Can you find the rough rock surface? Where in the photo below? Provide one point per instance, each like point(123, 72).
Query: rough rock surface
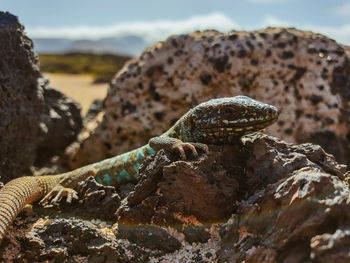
point(36, 121)
point(306, 75)
point(260, 200)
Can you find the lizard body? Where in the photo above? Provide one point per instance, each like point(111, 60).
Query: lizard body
point(218, 121)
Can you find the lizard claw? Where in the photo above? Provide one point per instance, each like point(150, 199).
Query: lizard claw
point(190, 146)
point(56, 195)
point(176, 145)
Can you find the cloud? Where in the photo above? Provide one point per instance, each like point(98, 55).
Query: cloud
point(151, 31)
point(161, 29)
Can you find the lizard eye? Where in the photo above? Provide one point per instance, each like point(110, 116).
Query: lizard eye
point(269, 111)
point(228, 111)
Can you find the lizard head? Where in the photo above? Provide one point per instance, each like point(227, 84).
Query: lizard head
point(226, 119)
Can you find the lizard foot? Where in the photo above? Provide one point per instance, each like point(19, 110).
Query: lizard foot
point(176, 145)
point(56, 194)
point(189, 146)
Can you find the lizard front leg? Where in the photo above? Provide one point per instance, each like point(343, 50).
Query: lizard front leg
point(176, 145)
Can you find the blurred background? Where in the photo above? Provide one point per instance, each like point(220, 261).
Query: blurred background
point(81, 44)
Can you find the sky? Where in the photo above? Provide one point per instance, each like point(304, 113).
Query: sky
point(157, 19)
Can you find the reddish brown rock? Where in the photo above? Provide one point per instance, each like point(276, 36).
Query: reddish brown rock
point(306, 75)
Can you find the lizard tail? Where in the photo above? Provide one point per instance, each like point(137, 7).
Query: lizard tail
point(14, 196)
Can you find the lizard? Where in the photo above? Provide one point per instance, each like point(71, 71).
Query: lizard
point(217, 121)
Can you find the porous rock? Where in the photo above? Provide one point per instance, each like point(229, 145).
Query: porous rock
point(305, 75)
point(260, 200)
point(36, 121)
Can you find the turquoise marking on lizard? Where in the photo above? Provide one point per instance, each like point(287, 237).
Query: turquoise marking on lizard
point(150, 151)
point(99, 180)
point(218, 121)
point(107, 178)
point(140, 155)
point(136, 166)
point(124, 175)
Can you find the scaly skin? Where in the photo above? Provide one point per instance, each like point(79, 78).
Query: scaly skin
point(218, 121)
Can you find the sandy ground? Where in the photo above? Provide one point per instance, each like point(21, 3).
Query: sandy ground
point(78, 87)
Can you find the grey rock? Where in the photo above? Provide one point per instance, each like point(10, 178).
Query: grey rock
point(36, 121)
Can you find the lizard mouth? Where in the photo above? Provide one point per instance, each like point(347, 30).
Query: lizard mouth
point(239, 124)
point(221, 131)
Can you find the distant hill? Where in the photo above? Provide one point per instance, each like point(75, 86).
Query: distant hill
point(101, 66)
point(130, 45)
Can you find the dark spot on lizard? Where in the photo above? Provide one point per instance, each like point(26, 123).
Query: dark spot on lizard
point(232, 53)
point(280, 123)
point(205, 78)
